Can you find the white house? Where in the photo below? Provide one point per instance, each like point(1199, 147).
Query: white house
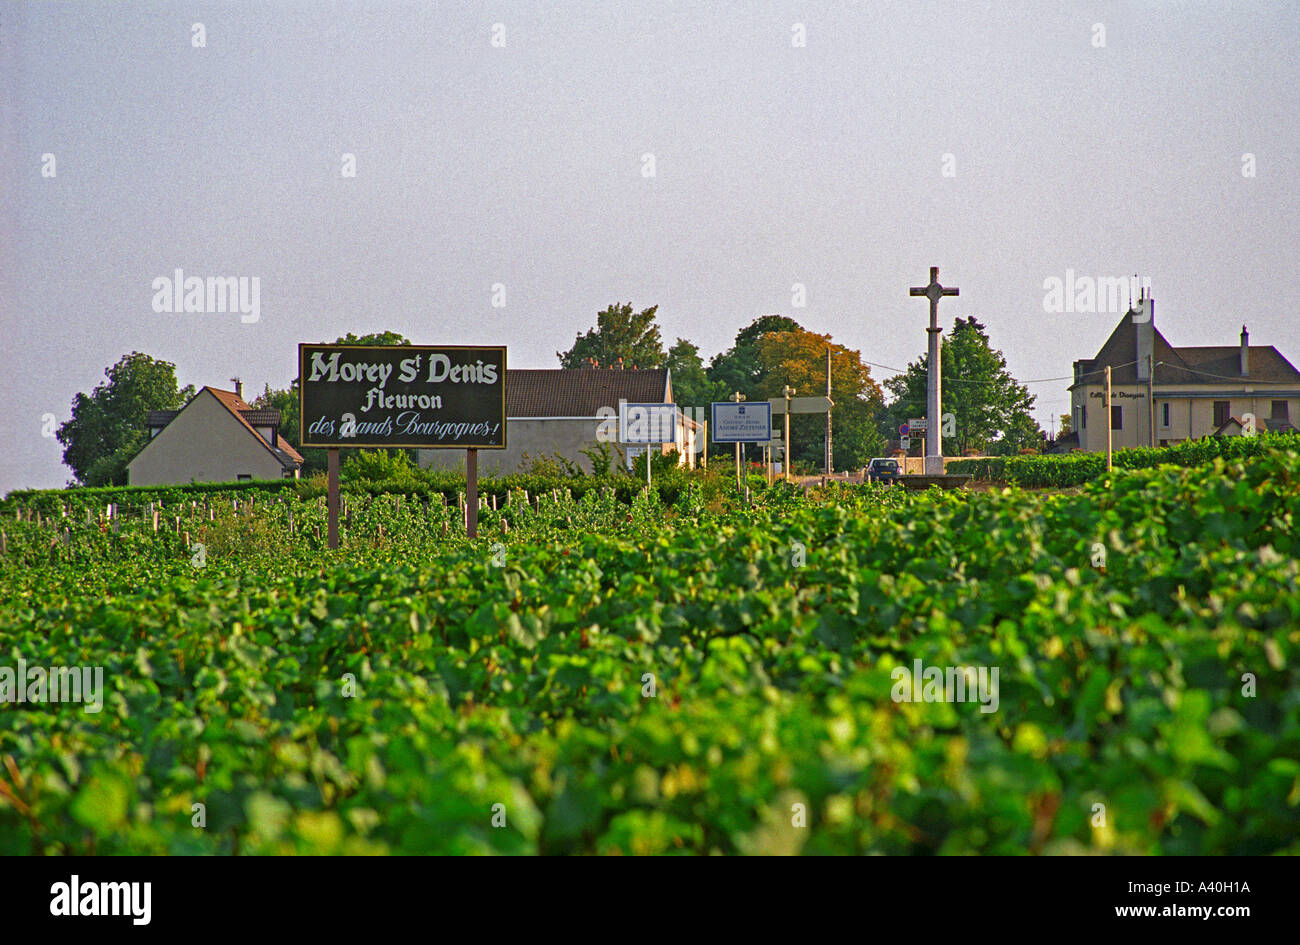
point(1198, 391)
point(216, 437)
point(559, 412)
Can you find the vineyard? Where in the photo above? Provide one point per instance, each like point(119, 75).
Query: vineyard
point(608, 671)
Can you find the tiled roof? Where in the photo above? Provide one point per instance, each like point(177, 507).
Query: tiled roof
point(241, 410)
point(261, 418)
point(246, 415)
point(1267, 366)
point(580, 392)
point(1185, 366)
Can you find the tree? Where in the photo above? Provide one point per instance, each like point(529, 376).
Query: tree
point(798, 357)
point(107, 426)
point(1021, 433)
point(739, 369)
point(986, 402)
point(285, 401)
point(691, 384)
point(619, 333)
point(374, 338)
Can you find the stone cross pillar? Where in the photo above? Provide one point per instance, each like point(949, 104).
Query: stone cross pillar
point(934, 387)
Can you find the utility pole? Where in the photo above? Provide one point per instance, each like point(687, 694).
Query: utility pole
point(737, 397)
point(1107, 412)
point(789, 392)
point(828, 410)
point(1151, 396)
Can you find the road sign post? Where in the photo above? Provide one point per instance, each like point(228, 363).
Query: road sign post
point(333, 498)
point(734, 421)
point(647, 424)
point(471, 493)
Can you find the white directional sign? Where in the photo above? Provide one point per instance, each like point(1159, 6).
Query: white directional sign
point(917, 424)
point(647, 423)
point(802, 404)
point(905, 443)
point(741, 423)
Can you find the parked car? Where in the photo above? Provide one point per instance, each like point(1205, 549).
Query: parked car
point(883, 470)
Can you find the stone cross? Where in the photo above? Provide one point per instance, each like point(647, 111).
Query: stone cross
point(934, 388)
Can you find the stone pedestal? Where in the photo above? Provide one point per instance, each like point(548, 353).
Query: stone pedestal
point(934, 465)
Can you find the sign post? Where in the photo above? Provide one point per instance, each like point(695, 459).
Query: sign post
point(333, 500)
point(471, 493)
point(402, 397)
point(648, 424)
point(737, 422)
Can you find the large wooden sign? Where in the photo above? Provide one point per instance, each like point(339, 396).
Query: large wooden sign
point(410, 396)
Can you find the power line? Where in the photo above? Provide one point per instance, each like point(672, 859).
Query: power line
point(1037, 380)
point(1226, 377)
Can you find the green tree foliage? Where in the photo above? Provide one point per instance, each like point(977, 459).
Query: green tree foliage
point(378, 466)
point(988, 405)
point(107, 427)
point(374, 338)
point(619, 333)
point(691, 384)
point(798, 357)
point(739, 368)
point(285, 401)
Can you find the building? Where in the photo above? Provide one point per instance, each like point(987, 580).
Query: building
point(1197, 391)
point(558, 412)
point(216, 437)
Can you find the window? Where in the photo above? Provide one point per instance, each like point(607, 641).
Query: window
point(1221, 412)
point(245, 477)
point(1279, 410)
point(1116, 417)
point(1083, 417)
point(1164, 416)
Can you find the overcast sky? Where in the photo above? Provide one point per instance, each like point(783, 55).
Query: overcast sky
point(1106, 138)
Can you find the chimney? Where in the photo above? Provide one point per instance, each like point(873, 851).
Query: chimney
point(239, 387)
point(1245, 352)
point(1144, 322)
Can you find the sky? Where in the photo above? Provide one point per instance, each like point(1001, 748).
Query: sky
point(501, 149)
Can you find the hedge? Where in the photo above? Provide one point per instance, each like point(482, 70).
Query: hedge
point(1073, 469)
